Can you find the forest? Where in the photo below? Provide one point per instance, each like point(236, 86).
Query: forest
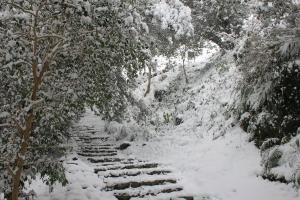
point(149, 99)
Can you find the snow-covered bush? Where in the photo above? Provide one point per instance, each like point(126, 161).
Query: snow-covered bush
point(174, 15)
point(219, 21)
point(269, 93)
point(282, 162)
point(126, 131)
point(270, 67)
point(113, 127)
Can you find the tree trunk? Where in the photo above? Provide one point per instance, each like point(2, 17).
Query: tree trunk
point(184, 71)
point(183, 64)
point(16, 185)
point(149, 81)
point(25, 133)
point(19, 163)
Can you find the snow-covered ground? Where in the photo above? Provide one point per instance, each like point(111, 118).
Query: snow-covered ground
point(208, 152)
point(83, 184)
point(226, 168)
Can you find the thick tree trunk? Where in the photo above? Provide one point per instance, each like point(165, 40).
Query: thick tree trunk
point(26, 133)
point(19, 163)
point(38, 75)
point(16, 185)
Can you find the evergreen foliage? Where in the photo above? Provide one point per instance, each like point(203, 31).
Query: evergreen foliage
point(270, 84)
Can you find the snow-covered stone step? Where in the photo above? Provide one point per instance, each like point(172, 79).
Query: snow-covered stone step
point(84, 127)
point(147, 191)
point(95, 148)
point(176, 195)
point(139, 183)
point(114, 164)
point(96, 155)
point(97, 145)
point(89, 131)
point(139, 178)
point(98, 151)
point(92, 137)
point(104, 160)
point(106, 164)
point(76, 127)
point(101, 139)
point(85, 130)
point(136, 172)
point(134, 166)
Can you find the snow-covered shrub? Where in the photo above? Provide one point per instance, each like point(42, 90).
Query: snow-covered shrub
point(271, 158)
point(178, 120)
point(126, 131)
point(269, 89)
point(117, 130)
point(269, 143)
point(282, 162)
point(159, 94)
point(219, 21)
point(167, 117)
point(174, 14)
point(113, 127)
point(268, 103)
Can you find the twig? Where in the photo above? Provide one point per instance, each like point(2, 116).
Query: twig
point(21, 8)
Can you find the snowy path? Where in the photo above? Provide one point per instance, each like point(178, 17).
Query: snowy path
point(126, 178)
point(97, 170)
point(195, 159)
point(195, 170)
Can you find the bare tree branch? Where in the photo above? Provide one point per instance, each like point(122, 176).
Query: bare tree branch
point(6, 125)
point(50, 36)
point(21, 8)
point(19, 127)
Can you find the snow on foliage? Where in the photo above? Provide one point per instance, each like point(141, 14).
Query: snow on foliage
point(174, 15)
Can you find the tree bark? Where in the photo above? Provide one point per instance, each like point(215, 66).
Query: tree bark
point(38, 76)
point(29, 119)
point(25, 134)
point(183, 64)
point(149, 81)
point(184, 71)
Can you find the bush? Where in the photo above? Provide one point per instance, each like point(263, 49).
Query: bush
point(269, 90)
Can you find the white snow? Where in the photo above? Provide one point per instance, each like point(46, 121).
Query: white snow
point(175, 14)
point(4, 115)
point(226, 168)
point(208, 153)
point(83, 184)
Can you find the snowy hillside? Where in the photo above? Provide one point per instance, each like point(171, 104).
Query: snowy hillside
point(209, 150)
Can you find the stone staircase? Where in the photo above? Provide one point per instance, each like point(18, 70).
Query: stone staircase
point(126, 178)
